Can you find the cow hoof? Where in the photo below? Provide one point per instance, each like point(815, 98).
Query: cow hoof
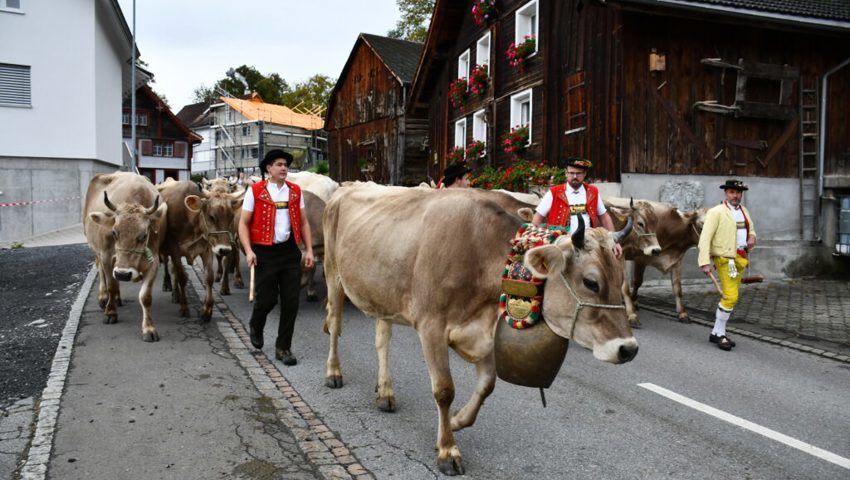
point(312, 297)
point(635, 323)
point(151, 336)
point(101, 304)
point(684, 318)
point(110, 319)
point(184, 312)
point(166, 288)
point(386, 404)
point(333, 381)
point(206, 316)
point(451, 466)
point(120, 302)
point(239, 284)
point(224, 291)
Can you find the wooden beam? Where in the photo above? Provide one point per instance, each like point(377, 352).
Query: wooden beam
point(671, 112)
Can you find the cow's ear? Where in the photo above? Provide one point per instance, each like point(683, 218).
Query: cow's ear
point(105, 219)
point(526, 214)
point(547, 260)
point(193, 203)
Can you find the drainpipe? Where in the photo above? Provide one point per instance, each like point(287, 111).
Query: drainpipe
point(822, 123)
point(133, 167)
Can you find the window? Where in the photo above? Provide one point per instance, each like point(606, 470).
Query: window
point(479, 126)
point(463, 65)
point(246, 130)
point(521, 110)
point(482, 50)
point(460, 133)
point(163, 149)
point(11, 6)
point(15, 85)
point(142, 119)
point(125, 118)
point(526, 24)
point(255, 152)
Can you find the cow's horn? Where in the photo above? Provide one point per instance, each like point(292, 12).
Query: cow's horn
point(578, 236)
point(106, 201)
point(154, 207)
point(621, 234)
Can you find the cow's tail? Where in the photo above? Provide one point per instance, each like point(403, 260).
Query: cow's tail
point(336, 294)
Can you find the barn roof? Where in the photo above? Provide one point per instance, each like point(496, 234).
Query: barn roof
point(193, 113)
point(254, 108)
point(400, 56)
point(818, 13)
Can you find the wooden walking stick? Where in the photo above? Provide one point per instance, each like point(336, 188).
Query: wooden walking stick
point(251, 288)
point(716, 283)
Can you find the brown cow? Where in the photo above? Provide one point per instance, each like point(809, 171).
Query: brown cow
point(125, 225)
point(677, 232)
point(198, 226)
point(432, 259)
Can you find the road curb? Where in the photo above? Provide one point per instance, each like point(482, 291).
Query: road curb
point(321, 446)
point(38, 455)
point(755, 336)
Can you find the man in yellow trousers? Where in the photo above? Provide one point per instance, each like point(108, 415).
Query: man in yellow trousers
point(727, 237)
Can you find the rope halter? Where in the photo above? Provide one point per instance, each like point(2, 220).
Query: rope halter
point(144, 251)
point(582, 304)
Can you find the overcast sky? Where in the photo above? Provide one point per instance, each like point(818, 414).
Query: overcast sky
point(187, 43)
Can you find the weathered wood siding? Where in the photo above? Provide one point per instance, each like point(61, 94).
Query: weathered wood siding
point(365, 119)
point(662, 132)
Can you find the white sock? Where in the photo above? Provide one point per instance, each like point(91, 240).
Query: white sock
point(720, 319)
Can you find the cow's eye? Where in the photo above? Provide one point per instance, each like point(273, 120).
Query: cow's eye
point(591, 285)
point(640, 224)
point(115, 234)
point(141, 238)
point(212, 218)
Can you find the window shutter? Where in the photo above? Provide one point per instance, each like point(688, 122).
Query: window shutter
point(575, 109)
point(179, 149)
point(146, 147)
point(15, 85)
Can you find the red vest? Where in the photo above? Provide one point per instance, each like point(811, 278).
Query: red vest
point(262, 221)
point(559, 214)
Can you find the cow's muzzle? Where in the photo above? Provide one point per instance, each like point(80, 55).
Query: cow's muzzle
point(627, 352)
point(122, 275)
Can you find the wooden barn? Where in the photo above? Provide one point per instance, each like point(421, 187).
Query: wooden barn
point(655, 92)
point(370, 137)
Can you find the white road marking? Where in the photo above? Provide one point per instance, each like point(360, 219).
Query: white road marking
point(753, 427)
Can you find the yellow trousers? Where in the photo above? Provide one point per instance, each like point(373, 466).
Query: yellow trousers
point(730, 285)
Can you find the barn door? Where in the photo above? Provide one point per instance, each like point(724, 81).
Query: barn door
point(575, 115)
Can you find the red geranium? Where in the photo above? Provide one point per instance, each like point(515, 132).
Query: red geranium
point(458, 90)
point(478, 79)
point(483, 12)
point(517, 53)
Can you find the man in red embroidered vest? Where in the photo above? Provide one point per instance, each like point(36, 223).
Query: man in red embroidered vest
point(562, 203)
point(271, 228)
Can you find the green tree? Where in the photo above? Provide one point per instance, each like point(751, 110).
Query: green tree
point(414, 21)
point(315, 92)
point(271, 87)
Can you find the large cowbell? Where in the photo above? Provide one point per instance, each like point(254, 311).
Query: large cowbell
point(530, 357)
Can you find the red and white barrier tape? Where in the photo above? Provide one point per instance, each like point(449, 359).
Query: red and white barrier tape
point(33, 202)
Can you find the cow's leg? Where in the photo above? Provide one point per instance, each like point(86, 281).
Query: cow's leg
point(166, 277)
point(102, 291)
point(237, 274)
point(333, 327)
point(473, 343)
point(113, 294)
point(676, 280)
point(309, 274)
point(436, 352)
point(630, 305)
point(637, 281)
point(149, 333)
point(384, 389)
point(206, 310)
point(222, 274)
point(180, 286)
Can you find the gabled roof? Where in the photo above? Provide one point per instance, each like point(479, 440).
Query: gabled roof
point(190, 135)
point(446, 22)
point(254, 108)
point(814, 13)
point(193, 113)
point(400, 56)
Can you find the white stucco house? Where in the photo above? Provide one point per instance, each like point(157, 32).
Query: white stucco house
point(64, 66)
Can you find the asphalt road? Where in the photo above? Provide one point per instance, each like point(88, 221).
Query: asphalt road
point(37, 287)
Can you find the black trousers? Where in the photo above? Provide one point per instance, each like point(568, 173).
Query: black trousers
point(277, 276)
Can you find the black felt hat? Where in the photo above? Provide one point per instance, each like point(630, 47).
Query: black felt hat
point(735, 185)
point(579, 162)
point(274, 155)
point(455, 170)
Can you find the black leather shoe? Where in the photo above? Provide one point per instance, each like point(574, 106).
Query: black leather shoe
point(715, 339)
point(723, 343)
point(286, 357)
point(256, 338)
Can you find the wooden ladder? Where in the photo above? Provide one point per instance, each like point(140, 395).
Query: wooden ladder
point(808, 162)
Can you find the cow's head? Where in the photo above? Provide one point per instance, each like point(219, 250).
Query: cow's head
point(642, 240)
point(216, 210)
point(132, 227)
point(583, 299)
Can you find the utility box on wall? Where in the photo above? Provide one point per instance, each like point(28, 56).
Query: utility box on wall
point(842, 246)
